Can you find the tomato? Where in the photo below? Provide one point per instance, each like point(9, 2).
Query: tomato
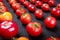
point(20, 11)
point(34, 29)
point(26, 3)
point(51, 2)
point(22, 38)
point(21, 1)
point(25, 18)
point(55, 12)
point(31, 7)
point(15, 6)
point(38, 14)
point(3, 9)
point(52, 38)
point(33, 1)
point(8, 29)
point(2, 4)
point(58, 5)
point(5, 16)
point(45, 7)
point(1, 0)
point(50, 22)
point(38, 3)
point(45, 0)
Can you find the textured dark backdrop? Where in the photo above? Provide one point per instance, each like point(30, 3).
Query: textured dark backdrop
point(45, 33)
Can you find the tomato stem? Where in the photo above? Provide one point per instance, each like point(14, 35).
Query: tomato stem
point(36, 25)
point(14, 38)
point(52, 37)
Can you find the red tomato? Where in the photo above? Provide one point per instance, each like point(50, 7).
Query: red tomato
point(52, 38)
point(2, 4)
point(1, 0)
point(31, 7)
point(20, 11)
point(51, 2)
point(38, 3)
point(58, 5)
point(26, 3)
point(15, 6)
point(33, 1)
point(45, 0)
point(21, 1)
point(45, 7)
point(8, 29)
point(25, 18)
point(34, 29)
point(3, 9)
point(50, 22)
point(38, 14)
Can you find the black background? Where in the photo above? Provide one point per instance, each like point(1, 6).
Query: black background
point(45, 33)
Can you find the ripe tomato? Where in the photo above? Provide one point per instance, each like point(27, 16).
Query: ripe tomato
point(1, 0)
point(5, 16)
point(45, 0)
point(22, 38)
point(2, 4)
point(31, 7)
point(3, 9)
point(34, 29)
point(26, 3)
point(58, 5)
point(45, 7)
point(50, 22)
point(51, 2)
point(15, 6)
point(20, 11)
point(8, 29)
point(38, 3)
point(38, 14)
point(33, 1)
point(52, 38)
point(25, 18)
point(21, 1)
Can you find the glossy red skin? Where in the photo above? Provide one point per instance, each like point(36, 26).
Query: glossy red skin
point(50, 38)
point(38, 14)
point(1, 0)
point(3, 9)
point(33, 1)
point(2, 4)
point(25, 18)
point(8, 29)
point(15, 6)
point(45, 0)
point(19, 12)
point(21, 1)
point(45, 7)
point(51, 2)
point(58, 5)
point(31, 7)
point(38, 3)
point(33, 30)
point(50, 22)
point(26, 3)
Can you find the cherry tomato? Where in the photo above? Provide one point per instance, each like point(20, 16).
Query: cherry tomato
point(38, 14)
point(22, 38)
point(5, 16)
point(33, 1)
point(58, 5)
point(50, 22)
point(20, 11)
point(2, 4)
point(1, 0)
point(25, 18)
point(8, 29)
point(21, 1)
point(45, 7)
point(31, 7)
point(34, 29)
point(26, 3)
point(45, 0)
point(51, 2)
point(15, 6)
point(3, 9)
point(38, 3)
point(52, 38)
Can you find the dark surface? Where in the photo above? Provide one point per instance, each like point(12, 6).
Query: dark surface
point(45, 33)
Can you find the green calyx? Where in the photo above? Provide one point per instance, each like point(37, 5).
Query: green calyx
point(36, 25)
point(52, 38)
